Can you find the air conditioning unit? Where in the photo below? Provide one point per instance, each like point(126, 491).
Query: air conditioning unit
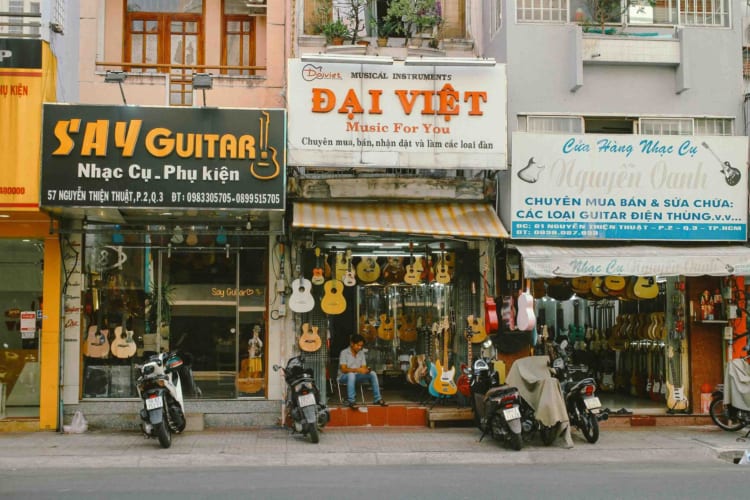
point(640, 13)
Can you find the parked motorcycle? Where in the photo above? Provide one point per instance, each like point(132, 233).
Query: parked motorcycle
point(495, 406)
point(584, 407)
point(159, 387)
point(305, 413)
point(730, 402)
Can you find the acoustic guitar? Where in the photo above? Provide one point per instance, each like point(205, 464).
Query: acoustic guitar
point(333, 301)
point(407, 328)
point(475, 325)
point(491, 322)
point(317, 272)
point(309, 341)
point(301, 299)
point(386, 329)
point(394, 272)
point(368, 269)
point(367, 329)
point(413, 272)
point(526, 319)
point(349, 277)
point(442, 273)
point(96, 344)
point(646, 287)
point(123, 345)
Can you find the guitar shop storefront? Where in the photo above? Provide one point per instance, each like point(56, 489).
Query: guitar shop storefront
point(409, 291)
point(170, 218)
point(650, 321)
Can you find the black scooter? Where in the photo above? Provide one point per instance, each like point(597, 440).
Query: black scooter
point(496, 407)
point(305, 413)
point(584, 407)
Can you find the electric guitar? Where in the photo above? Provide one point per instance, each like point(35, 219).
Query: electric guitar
point(731, 174)
point(442, 384)
point(463, 383)
point(301, 299)
point(475, 325)
point(676, 399)
point(309, 341)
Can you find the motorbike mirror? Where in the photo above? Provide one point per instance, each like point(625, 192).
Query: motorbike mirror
point(276, 368)
point(746, 348)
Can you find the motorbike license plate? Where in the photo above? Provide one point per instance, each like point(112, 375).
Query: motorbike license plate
point(512, 413)
point(592, 403)
point(154, 403)
point(306, 400)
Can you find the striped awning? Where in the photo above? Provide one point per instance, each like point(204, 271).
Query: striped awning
point(438, 219)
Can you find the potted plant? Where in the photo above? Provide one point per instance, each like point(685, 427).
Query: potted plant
point(414, 16)
point(353, 13)
point(335, 32)
point(603, 12)
point(383, 28)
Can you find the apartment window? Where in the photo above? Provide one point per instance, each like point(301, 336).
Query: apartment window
point(16, 22)
point(166, 32)
point(240, 31)
point(704, 12)
point(497, 14)
point(542, 10)
point(625, 125)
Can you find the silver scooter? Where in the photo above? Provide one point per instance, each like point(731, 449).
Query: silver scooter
point(160, 389)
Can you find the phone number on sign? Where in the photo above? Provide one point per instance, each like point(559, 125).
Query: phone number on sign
point(238, 198)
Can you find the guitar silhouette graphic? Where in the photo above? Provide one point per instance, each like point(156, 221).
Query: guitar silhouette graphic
point(530, 173)
point(267, 153)
point(731, 174)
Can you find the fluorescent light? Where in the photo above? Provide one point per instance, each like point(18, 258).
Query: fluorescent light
point(448, 61)
point(368, 244)
point(346, 59)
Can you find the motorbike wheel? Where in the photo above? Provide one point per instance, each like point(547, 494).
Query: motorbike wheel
point(549, 433)
point(516, 441)
point(164, 434)
point(590, 427)
point(721, 417)
point(314, 434)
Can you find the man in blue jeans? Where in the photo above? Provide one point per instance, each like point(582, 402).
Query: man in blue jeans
point(353, 369)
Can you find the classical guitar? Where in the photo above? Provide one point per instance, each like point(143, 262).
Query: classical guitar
point(615, 285)
point(428, 274)
point(123, 346)
point(442, 383)
point(368, 269)
point(309, 341)
point(407, 328)
point(731, 175)
point(442, 273)
point(413, 272)
point(333, 301)
point(349, 278)
point(597, 288)
point(301, 299)
point(317, 272)
point(475, 324)
point(386, 328)
point(581, 285)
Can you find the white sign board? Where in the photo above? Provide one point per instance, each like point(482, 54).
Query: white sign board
point(629, 187)
point(366, 115)
point(28, 324)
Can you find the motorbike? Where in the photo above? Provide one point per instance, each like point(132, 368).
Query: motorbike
point(495, 406)
point(160, 388)
point(730, 401)
point(584, 407)
point(305, 413)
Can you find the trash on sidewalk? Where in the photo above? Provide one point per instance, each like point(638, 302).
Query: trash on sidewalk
point(744, 459)
point(78, 425)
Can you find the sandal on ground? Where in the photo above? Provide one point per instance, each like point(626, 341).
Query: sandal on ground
point(381, 402)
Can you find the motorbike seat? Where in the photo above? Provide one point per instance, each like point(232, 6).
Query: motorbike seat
point(499, 391)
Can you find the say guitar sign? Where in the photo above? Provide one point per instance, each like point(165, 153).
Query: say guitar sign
point(367, 115)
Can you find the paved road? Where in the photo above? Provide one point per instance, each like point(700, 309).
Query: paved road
point(375, 446)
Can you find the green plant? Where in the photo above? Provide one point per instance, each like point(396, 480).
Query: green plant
point(353, 12)
point(411, 16)
point(335, 29)
point(608, 11)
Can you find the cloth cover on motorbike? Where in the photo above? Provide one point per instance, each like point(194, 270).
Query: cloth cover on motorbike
point(532, 377)
point(737, 384)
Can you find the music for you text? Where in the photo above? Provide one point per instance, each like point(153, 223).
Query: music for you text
point(629, 187)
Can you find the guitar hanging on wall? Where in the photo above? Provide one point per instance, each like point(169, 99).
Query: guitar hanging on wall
point(475, 324)
point(301, 299)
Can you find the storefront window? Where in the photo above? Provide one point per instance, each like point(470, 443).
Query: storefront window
point(202, 299)
point(21, 299)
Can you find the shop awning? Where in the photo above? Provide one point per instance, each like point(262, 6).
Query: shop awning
point(549, 261)
point(449, 219)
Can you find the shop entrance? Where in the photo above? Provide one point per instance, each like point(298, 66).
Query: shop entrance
point(211, 309)
point(21, 263)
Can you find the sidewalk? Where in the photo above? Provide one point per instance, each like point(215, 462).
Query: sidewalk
point(359, 445)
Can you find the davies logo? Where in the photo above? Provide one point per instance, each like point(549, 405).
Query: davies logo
point(311, 73)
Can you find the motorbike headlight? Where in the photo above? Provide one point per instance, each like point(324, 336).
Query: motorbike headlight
point(148, 369)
